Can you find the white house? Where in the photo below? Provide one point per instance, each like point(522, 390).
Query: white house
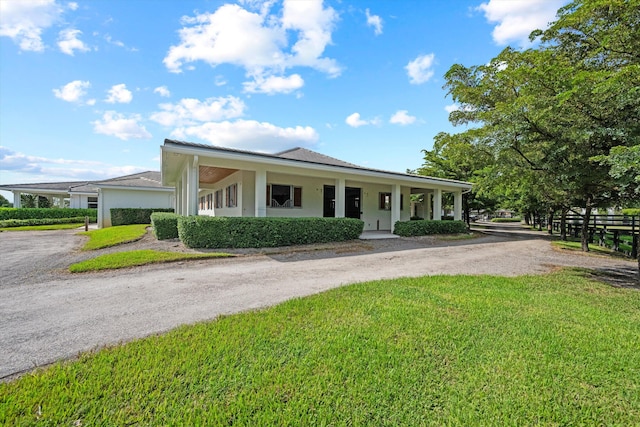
point(217, 181)
point(140, 190)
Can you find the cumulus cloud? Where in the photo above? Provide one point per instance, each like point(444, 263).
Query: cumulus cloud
point(119, 94)
point(259, 41)
point(274, 84)
point(355, 121)
point(68, 41)
point(451, 108)
point(517, 19)
point(420, 69)
point(162, 91)
point(402, 117)
point(73, 91)
point(24, 21)
point(374, 21)
point(121, 126)
point(43, 168)
point(190, 111)
point(249, 135)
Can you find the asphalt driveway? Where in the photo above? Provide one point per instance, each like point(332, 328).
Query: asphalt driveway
point(47, 314)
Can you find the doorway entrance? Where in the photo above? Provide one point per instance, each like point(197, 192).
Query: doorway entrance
point(352, 199)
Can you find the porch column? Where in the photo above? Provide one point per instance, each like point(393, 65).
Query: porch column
point(427, 205)
point(340, 197)
point(16, 199)
point(177, 200)
point(193, 182)
point(437, 204)
point(395, 205)
point(185, 194)
point(261, 193)
point(457, 205)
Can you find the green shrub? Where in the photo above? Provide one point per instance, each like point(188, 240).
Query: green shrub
point(127, 216)
point(631, 211)
point(165, 225)
point(244, 232)
point(516, 219)
point(39, 213)
point(43, 221)
point(424, 227)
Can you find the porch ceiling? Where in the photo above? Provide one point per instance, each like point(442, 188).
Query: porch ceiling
point(211, 175)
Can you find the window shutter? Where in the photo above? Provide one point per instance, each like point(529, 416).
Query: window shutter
point(297, 197)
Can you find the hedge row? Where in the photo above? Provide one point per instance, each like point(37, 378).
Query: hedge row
point(38, 213)
point(631, 211)
point(506, 220)
point(43, 221)
point(165, 225)
point(248, 232)
point(424, 227)
point(126, 216)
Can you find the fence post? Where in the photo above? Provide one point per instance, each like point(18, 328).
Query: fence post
point(634, 239)
point(86, 223)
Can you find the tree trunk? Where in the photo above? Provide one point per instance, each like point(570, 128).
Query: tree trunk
point(527, 218)
point(563, 224)
point(585, 226)
point(550, 221)
point(539, 218)
point(465, 208)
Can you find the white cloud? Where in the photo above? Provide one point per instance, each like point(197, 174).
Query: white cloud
point(274, 84)
point(72, 91)
point(162, 91)
point(120, 94)
point(250, 135)
point(51, 169)
point(354, 120)
point(402, 117)
point(120, 126)
point(191, 111)
point(68, 41)
point(25, 20)
point(374, 21)
point(420, 69)
point(258, 42)
point(451, 108)
point(72, 5)
point(516, 19)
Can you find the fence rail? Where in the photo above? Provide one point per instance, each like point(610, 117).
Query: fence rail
point(618, 232)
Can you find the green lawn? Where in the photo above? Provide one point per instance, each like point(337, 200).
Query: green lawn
point(134, 258)
point(112, 236)
point(43, 227)
point(555, 349)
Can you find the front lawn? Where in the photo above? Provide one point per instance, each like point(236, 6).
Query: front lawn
point(112, 236)
point(135, 258)
point(555, 349)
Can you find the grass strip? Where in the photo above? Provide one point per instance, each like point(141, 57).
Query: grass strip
point(577, 246)
point(136, 258)
point(43, 227)
point(112, 236)
point(554, 349)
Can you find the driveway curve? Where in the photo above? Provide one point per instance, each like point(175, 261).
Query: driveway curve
point(43, 321)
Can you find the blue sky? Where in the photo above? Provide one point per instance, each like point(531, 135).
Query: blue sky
point(90, 89)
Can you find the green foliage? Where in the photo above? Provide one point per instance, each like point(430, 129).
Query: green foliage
point(165, 225)
point(43, 221)
point(549, 350)
point(631, 211)
point(112, 236)
point(425, 227)
point(4, 203)
point(506, 220)
point(33, 213)
point(126, 216)
point(45, 227)
point(245, 232)
point(135, 258)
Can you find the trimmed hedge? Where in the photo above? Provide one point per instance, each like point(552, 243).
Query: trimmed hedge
point(127, 216)
point(43, 221)
point(631, 211)
point(165, 225)
point(249, 232)
point(38, 213)
point(506, 219)
point(424, 227)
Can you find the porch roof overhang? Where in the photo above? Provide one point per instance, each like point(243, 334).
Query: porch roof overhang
point(175, 154)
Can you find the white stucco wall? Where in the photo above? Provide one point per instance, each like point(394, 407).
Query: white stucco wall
point(78, 201)
point(130, 198)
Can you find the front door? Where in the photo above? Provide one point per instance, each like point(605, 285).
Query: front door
point(352, 202)
point(329, 201)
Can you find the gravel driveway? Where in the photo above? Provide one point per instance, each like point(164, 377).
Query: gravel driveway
point(47, 314)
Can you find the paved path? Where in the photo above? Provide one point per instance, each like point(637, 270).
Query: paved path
point(49, 320)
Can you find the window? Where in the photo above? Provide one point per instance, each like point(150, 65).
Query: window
point(284, 196)
point(209, 201)
point(232, 195)
point(218, 201)
point(201, 205)
point(92, 202)
point(385, 201)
